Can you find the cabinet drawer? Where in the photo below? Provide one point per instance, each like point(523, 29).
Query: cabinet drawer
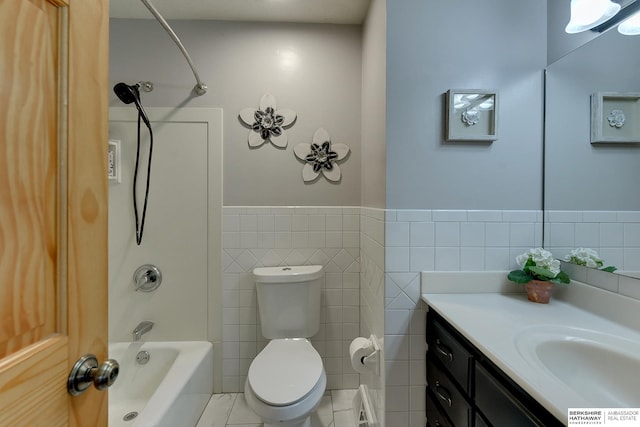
point(453, 355)
point(447, 395)
point(497, 404)
point(435, 417)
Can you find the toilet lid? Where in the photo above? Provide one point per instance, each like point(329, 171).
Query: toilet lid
point(285, 371)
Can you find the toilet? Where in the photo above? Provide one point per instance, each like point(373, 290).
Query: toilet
point(287, 380)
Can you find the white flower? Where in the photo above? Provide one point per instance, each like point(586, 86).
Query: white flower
point(470, 116)
point(542, 258)
point(616, 118)
point(522, 259)
point(267, 122)
point(584, 256)
point(554, 267)
point(321, 156)
point(538, 264)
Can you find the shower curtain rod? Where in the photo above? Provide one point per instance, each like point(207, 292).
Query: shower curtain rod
point(200, 88)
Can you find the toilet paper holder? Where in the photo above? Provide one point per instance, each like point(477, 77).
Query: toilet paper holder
point(372, 360)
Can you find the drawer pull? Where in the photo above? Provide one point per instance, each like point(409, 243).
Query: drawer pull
point(444, 350)
point(443, 394)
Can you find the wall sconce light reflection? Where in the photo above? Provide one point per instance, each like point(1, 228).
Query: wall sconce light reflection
point(288, 59)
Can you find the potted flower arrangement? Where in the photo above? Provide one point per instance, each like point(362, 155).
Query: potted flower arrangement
point(539, 271)
point(588, 258)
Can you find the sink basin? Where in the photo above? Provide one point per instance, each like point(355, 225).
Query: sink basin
point(603, 369)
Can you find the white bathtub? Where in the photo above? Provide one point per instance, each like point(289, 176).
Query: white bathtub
point(172, 389)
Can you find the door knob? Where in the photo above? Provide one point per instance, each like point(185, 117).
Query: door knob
point(87, 371)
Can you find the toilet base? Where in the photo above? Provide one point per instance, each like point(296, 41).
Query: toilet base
point(296, 415)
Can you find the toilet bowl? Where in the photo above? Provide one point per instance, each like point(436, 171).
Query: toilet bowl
point(286, 380)
point(286, 383)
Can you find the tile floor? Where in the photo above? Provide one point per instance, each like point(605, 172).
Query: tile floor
point(231, 410)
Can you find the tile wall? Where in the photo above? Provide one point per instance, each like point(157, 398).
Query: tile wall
point(273, 236)
point(436, 240)
point(372, 295)
point(627, 284)
point(373, 259)
point(615, 235)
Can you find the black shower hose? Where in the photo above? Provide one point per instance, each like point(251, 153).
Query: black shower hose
point(140, 222)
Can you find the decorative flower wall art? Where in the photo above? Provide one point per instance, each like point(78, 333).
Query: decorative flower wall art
point(267, 123)
point(470, 116)
point(616, 118)
point(321, 156)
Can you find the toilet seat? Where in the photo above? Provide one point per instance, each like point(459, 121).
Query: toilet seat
point(285, 372)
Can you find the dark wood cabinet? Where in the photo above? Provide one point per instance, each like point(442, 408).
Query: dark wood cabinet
point(464, 388)
point(436, 417)
point(452, 400)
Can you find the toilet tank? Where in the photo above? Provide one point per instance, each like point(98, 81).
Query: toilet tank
point(289, 300)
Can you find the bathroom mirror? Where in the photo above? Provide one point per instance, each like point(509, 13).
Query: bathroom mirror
point(592, 190)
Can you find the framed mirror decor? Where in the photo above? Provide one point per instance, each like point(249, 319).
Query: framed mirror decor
point(471, 115)
point(615, 117)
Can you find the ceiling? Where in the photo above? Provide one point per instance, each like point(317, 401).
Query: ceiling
point(307, 11)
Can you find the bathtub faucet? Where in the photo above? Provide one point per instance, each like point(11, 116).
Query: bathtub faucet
point(142, 328)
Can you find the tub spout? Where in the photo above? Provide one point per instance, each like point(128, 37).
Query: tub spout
point(142, 328)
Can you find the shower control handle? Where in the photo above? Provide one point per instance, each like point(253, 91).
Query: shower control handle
point(147, 278)
point(86, 371)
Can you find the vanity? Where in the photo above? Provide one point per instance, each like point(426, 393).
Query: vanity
point(496, 359)
point(464, 386)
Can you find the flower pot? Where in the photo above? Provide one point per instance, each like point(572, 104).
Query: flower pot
point(539, 291)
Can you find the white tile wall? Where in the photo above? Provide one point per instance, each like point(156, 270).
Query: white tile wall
point(373, 259)
point(626, 283)
point(372, 294)
point(272, 236)
point(438, 240)
point(615, 235)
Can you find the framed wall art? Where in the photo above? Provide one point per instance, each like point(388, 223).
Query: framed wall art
point(113, 161)
point(615, 117)
point(471, 115)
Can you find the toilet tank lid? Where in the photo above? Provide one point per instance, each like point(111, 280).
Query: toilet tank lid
point(287, 274)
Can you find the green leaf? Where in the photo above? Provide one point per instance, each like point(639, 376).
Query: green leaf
point(542, 272)
point(609, 269)
point(519, 276)
point(562, 277)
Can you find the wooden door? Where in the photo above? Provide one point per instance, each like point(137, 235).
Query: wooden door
point(53, 207)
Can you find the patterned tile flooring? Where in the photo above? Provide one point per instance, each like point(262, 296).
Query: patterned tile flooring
point(231, 410)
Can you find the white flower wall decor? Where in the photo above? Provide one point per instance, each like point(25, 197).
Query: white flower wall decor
point(470, 116)
point(267, 123)
point(616, 118)
point(321, 156)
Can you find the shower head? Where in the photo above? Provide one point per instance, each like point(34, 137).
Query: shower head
point(131, 94)
point(127, 93)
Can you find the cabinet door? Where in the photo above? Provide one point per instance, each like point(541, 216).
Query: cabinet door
point(497, 404)
point(480, 422)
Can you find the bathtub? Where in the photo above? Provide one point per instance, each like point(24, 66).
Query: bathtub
point(171, 389)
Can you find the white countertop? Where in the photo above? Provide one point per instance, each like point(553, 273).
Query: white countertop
point(496, 322)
